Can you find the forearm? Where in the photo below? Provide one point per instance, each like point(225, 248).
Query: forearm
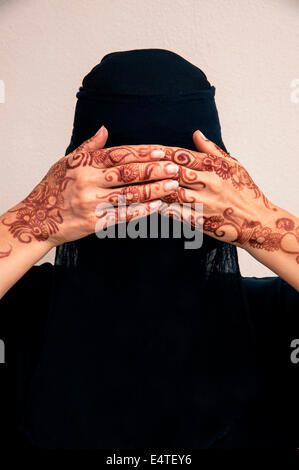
point(275, 243)
point(17, 257)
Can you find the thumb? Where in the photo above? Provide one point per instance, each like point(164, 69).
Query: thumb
point(207, 146)
point(96, 142)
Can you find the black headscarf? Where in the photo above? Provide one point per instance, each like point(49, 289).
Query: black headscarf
point(148, 344)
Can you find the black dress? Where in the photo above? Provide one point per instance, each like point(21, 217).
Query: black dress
point(83, 380)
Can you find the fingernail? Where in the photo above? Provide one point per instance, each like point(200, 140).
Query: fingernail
point(101, 130)
point(158, 154)
point(202, 135)
point(171, 185)
point(172, 169)
point(155, 204)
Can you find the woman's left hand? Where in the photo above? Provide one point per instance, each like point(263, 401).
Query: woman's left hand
point(232, 207)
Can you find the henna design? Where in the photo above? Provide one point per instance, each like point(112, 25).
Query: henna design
point(223, 153)
point(190, 177)
point(5, 254)
point(226, 167)
point(112, 216)
point(132, 194)
point(267, 204)
point(181, 213)
point(286, 224)
point(130, 172)
point(179, 195)
point(253, 232)
point(183, 157)
point(106, 157)
point(40, 213)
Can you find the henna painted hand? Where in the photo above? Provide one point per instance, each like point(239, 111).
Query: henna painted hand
point(234, 209)
point(62, 207)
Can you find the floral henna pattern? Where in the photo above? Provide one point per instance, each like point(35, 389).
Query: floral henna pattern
point(39, 215)
point(226, 167)
point(130, 172)
point(254, 233)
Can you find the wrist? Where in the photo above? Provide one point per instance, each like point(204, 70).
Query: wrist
point(261, 229)
point(274, 242)
point(20, 235)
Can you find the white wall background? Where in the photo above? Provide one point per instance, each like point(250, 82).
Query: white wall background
point(248, 49)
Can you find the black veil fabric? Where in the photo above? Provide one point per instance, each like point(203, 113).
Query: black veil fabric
point(148, 344)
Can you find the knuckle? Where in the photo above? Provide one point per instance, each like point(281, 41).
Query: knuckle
point(130, 172)
point(132, 194)
point(147, 191)
point(83, 180)
point(217, 184)
point(148, 171)
point(82, 199)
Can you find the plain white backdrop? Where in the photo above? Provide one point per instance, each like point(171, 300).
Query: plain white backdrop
point(247, 48)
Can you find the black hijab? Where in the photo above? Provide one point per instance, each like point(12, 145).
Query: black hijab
point(147, 344)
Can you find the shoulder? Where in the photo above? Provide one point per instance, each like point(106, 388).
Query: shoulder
point(274, 307)
point(270, 290)
point(36, 283)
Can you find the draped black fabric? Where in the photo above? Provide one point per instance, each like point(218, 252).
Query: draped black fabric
point(148, 344)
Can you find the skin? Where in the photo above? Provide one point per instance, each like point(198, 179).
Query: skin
point(143, 179)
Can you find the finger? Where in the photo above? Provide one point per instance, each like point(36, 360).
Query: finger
point(215, 170)
point(182, 196)
point(183, 213)
point(96, 142)
point(139, 193)
point(185, 157)
point(137, 172)
point(194, 179)
point(207, 146)
point(113, 156)
point(111, 216)
point(199, 161)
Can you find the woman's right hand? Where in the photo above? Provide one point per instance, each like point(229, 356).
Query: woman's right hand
point(63, 205)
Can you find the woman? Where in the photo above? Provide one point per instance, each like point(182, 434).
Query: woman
point(139, 342)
